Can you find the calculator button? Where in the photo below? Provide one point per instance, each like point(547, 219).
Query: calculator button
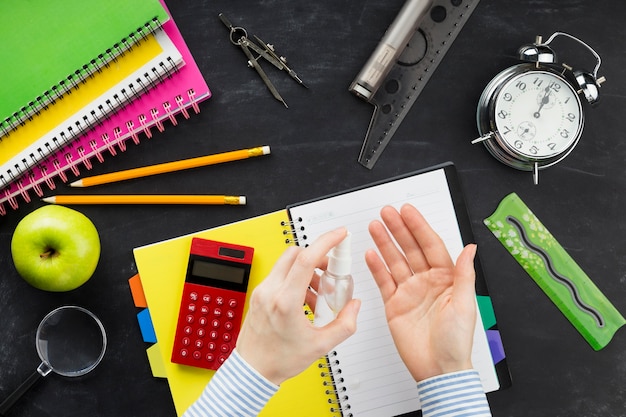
point(198, 344)
point(191, 307)
point(202, 321)
point(193, 296)
point(188, 330)
point(189, 319)
point(201, 332)
point(213, 334)
point(210, 357)
point(225, 348)
point(217, 312)
point(226, 337)
point(211, 346)
point(228, 325)
point(219, 301)
point(230, 314)
point(215, 323)
point(222, 359)
point(184, 353)
point(197, 355)
point(232, 303)
point(186, 341)
point(206, 298)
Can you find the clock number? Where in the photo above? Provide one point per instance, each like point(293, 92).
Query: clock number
point(521, 85)
point(534, 150)
point(565, 133)
point(518, 144)
point(571, 116)
point(502, 114)
point(551, 145)
point(508, 97)
point(555, 86)
point(506, 130)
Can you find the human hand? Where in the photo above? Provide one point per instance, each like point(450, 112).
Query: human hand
point(429, 302)
point(276, 338)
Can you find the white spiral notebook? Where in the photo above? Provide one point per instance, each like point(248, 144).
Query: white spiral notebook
point(368, 375)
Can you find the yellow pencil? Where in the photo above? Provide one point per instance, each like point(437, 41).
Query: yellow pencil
point(146, 199)
point(172, 166)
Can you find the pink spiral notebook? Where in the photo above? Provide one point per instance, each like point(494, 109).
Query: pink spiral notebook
point(181, 92)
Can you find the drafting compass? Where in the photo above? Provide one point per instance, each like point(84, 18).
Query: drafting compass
point(530, 116)
point(239, 37)
point(403, 62)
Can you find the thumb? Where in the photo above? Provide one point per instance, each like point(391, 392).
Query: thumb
point(464, 274)
point(343, 326)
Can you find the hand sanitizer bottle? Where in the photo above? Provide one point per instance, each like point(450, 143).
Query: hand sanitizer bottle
point(336, 283)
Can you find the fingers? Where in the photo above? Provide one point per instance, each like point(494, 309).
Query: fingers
point(394, 258)
point(342, 327)
point(311, 294)
point(405, 237)
point(430, 244)
point(299, 276)
point(386, 284)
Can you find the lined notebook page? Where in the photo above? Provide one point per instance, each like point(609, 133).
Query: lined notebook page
point(377, 382)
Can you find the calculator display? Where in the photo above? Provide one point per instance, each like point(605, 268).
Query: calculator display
point(228, 273)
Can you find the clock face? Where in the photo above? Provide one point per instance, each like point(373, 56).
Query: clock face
point(537, 114)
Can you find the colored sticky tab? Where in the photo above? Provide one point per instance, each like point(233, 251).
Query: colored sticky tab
point(145, 324)
point(136, 290)
point(486, 311)
point(554, 270)
point(156, 361)
point(495, 345)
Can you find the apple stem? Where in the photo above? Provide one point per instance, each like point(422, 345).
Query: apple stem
point(49, 253)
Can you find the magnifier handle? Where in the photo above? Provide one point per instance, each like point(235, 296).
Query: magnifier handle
point(35, 377)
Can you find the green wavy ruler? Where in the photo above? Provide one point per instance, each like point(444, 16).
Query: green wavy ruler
point(554, 270)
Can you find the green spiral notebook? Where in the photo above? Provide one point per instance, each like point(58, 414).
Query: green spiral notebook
point(49, 46)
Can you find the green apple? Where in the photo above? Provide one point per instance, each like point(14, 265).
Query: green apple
point(55, 248)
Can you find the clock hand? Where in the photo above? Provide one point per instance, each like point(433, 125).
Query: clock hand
point(544, 101)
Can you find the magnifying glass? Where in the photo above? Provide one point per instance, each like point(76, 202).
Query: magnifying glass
point(70, 341)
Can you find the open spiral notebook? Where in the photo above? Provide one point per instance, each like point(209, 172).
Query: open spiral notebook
point(364, 376)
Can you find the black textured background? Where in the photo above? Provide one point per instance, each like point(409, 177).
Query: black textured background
point(315, 144)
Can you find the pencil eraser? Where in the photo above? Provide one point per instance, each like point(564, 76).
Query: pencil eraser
point(242, 200)
point(266, 150)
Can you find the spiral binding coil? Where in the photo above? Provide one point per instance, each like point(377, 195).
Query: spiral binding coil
point(56, 92)
point(334, 383)
point(52, 166)
point(290, 230)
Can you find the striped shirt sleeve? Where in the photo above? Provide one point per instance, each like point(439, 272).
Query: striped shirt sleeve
point(236, 389)
point(457, 394)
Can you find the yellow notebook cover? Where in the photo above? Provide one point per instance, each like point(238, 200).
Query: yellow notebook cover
point(162, 267)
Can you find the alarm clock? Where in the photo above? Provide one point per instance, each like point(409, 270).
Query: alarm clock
point(530, 116)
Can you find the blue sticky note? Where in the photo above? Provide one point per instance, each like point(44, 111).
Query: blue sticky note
point(146, 327)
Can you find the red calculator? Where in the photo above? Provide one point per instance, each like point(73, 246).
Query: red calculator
point(211, 307)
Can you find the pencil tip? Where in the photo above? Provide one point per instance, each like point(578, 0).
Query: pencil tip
point(78, 183)
point(48, 200)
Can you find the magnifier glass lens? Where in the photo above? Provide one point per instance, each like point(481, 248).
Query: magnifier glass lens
point(71, 340)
